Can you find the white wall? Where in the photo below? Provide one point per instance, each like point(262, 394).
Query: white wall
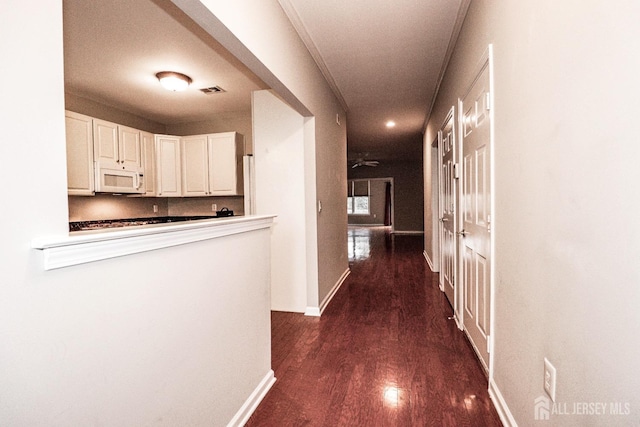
point(280, 190)
point(233, 121)
point(261, 36)
point(566, 229)
point(152, 338)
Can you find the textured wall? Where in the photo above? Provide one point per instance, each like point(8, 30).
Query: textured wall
point(565, 219)
point(177, 336)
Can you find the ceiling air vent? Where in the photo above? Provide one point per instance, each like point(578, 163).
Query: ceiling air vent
point(212, 89)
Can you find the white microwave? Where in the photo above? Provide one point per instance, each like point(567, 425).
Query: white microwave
point(109, 180)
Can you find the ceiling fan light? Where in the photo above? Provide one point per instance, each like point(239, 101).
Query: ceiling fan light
point(173, 81)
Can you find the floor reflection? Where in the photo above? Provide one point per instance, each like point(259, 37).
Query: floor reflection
point(360, 241)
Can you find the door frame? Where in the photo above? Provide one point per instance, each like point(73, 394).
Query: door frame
point(435, 205)
point(456, 304)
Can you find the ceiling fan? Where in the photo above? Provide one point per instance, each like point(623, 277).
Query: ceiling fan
point(363, 162)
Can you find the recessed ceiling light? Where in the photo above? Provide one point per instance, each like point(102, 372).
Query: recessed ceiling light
point(391, 124)
point(173, 81)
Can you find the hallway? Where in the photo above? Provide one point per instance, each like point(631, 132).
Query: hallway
point(382, 354)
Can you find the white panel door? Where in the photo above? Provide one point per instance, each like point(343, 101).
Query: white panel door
point(475, 211)
point(448, 209)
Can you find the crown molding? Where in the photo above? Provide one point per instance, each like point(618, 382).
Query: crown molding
point(298, 25)
point(457, 27)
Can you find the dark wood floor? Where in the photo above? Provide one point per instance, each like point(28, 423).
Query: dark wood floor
point(382, 354)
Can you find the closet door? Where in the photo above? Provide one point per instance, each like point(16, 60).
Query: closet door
point(448, 216)
point(475, 210)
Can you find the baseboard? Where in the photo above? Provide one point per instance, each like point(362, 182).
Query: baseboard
point(312, 311)
point(416, 232)
point(251, 404)
point(501, 406)
point(317, 311)
point(429, 262)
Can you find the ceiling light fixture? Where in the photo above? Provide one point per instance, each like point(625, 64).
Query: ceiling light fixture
point(173, 81)
point(391, 124)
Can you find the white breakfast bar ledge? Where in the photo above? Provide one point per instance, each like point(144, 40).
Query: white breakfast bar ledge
point(87, 246)
point(207, 310)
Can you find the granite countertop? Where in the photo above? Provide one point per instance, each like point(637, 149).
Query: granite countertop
point(128, 222)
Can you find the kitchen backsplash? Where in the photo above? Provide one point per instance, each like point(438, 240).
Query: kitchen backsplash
point(107, 206)
point(202, 205)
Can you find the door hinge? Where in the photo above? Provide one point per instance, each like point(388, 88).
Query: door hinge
point(488, 100)
point(489, 337)
point(456, 171)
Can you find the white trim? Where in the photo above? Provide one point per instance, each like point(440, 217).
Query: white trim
point(317, 311)
point(501, 406)
point(312, 311)
point(251, 404)
point(429, 262)
point(434, 165)
point(415, 232)
point(88, 246)
point(492, 238)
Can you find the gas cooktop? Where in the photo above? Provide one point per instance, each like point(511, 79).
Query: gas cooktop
point(131, 222)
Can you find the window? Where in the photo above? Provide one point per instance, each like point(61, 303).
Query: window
point(358, 197)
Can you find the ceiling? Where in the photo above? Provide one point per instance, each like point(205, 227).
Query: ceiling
point(112, 54)
point(383, 60)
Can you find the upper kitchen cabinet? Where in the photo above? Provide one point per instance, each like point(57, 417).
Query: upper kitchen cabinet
point(195, 166)
point(116, 146)
point(80, 176)
point(212, 164)
point(147, 141)
point(168, 183)
point(225, 164)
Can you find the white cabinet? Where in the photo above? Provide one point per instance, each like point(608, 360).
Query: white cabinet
point(147, 141)
point(80, 176)
point(116, 146)
point(163, 165)
point(168, 166)
point(225, 164)
point(212, 164)
point(195, 165)
point(129, 148)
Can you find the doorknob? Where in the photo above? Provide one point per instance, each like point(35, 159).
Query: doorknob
point(462, 232)
point(444, 219)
